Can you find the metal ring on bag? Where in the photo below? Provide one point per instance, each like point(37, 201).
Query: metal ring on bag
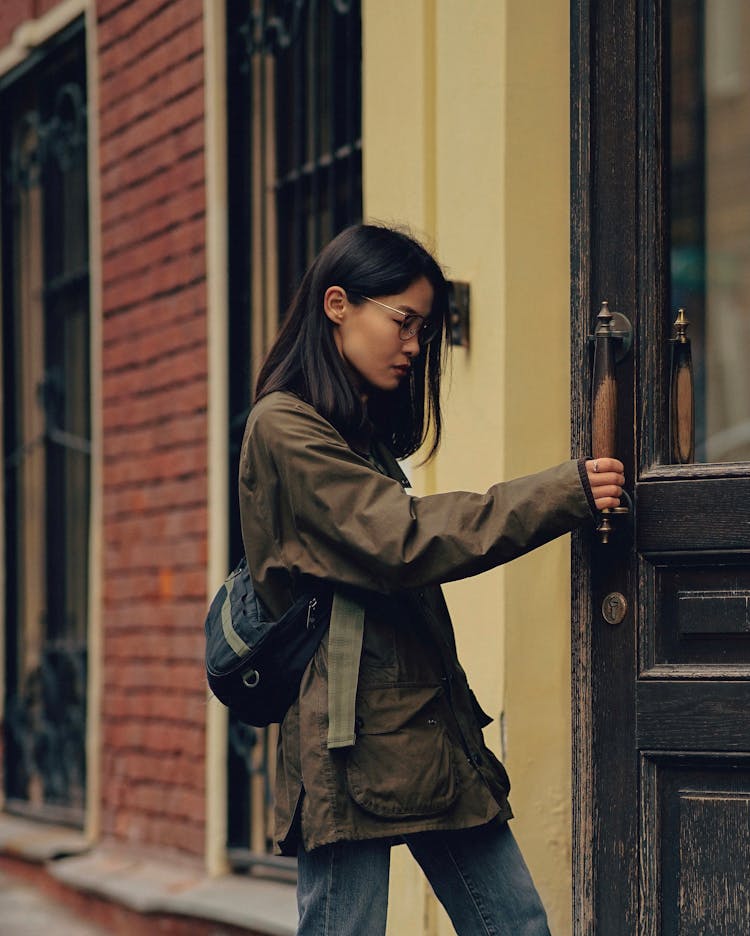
point(251, 678)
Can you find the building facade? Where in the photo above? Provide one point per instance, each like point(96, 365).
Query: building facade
point(169, 167)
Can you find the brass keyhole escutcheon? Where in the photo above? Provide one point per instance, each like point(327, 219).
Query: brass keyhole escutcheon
point(614, 608)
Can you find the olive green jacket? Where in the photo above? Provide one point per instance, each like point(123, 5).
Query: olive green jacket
point(313, 505)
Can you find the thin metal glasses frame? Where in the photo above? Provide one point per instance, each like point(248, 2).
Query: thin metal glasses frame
point(426, 330)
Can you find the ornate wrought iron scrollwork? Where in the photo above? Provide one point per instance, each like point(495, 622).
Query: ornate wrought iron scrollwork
point(51, 396)
point(61, 138)
point(274, 27)
point(252, 747)
point(46, 721)
point(242, 741)
point(252, 750)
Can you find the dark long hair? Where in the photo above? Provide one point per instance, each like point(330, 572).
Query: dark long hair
point(365, 260)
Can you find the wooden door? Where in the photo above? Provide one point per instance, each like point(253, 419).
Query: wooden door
point(661, 219)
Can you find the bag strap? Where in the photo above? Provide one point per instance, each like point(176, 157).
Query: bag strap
point(345, 634)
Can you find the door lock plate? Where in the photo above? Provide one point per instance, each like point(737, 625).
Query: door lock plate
point(614, 608)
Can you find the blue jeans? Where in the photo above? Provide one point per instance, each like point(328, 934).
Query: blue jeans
point(478, 875)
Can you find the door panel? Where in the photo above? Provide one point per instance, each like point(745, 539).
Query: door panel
point(662, 699)
point(686, 715)
point(695, 820)
point(677, 514)
point(700, 616)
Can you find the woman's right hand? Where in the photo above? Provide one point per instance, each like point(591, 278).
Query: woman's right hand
point(606, 477)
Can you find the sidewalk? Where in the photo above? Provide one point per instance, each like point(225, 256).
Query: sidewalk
point(24, 911)
point(137, 894)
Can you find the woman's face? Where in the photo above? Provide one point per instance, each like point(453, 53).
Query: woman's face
point(368, 336)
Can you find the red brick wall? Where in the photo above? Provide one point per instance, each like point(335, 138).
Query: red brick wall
point(154, 420)
point(15, 12)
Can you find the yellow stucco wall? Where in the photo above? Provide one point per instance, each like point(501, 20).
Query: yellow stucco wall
point(466, 139)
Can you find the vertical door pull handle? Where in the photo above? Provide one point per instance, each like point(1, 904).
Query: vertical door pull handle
point(681, 395)
point(604, 403)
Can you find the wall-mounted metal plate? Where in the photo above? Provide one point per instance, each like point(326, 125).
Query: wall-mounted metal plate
point(623, 330)
point(458, 311)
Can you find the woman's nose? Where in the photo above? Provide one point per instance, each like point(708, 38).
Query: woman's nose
point(412, 346)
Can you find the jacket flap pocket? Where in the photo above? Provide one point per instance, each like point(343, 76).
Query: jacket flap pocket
point(382, 711)
point(402, 763)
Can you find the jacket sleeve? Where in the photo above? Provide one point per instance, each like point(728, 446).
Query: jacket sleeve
point(334, 517)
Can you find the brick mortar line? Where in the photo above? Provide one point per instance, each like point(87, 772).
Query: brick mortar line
point(123, 429)
point(172, 65)
point(172, 352)
point(124, 36)
point(112, 342)
point(160, 294)
point(122, 128)
point(151, 144)
point(112, 461)
point(163, 260)
point(116, 344)
point(160, 232)
point(115, 9)
point(161, 449)
point(160, 389)
point(159, 170)
point(143, 484)
point(159, 261)
point(125, 486)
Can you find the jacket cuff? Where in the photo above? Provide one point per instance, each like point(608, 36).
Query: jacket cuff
point(583, 474)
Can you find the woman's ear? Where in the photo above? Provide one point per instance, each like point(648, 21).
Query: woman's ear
point(335, 303)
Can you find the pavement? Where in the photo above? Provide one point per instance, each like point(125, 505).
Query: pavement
point(25, 911)
point(139, 883)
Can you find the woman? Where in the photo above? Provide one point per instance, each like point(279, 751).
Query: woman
point(351, 384)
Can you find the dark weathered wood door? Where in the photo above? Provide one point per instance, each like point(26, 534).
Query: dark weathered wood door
point(661, 220)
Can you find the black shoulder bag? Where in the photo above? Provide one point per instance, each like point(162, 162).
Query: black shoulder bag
point(255, 663)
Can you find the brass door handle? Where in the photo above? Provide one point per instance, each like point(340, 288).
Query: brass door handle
point(604, 400)
point(681, 396)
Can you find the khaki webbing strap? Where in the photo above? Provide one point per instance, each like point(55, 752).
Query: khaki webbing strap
point(344, 651)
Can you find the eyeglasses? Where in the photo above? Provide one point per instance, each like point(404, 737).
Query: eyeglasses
point(425, 328)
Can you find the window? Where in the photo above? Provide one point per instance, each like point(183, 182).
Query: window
point(295, 180)
point(46, 427)
point(709, 214)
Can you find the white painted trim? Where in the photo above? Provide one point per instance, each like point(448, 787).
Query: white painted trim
point(95, 636)
point(218, 406)
point(36, 32)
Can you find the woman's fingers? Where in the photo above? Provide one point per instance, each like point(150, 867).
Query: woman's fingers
point(606, 477)
point(603, 465)
point(607, 497)
point(606, 480)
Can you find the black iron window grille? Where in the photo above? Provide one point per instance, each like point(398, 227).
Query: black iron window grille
point(46, 428)
point(295, 180)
